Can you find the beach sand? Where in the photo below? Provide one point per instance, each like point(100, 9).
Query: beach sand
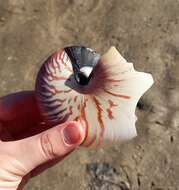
point(147, 34)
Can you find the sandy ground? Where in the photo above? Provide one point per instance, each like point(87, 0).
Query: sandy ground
point(146, 32)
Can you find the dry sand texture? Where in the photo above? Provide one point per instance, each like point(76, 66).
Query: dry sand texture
point(146, 32)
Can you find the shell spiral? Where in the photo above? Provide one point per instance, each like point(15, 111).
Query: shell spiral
point(106, 105)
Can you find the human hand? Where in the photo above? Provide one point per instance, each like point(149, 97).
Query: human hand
point(27, 145)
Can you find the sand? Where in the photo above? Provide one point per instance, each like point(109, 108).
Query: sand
point(147, 34)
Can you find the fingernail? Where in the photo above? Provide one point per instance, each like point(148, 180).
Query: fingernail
point(72, 134)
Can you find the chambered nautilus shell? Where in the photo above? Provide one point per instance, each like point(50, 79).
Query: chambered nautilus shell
point(77, 83)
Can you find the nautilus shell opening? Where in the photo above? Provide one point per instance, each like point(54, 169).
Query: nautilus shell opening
point(76, 83)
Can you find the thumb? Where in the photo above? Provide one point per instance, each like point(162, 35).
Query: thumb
point(51, 144)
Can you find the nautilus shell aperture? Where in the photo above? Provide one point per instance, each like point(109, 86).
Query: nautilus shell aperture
point(76, 83)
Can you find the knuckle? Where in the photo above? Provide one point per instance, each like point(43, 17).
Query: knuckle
point(47, 146)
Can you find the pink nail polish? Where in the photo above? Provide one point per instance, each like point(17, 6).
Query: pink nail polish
point(72, 134)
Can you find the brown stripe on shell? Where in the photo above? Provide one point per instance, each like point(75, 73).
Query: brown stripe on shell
point(113, 80)
point(109, 109)
point(117, 95)
point(83, 115)
point(63, 62)
point(99, 117)
point(75, 98)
